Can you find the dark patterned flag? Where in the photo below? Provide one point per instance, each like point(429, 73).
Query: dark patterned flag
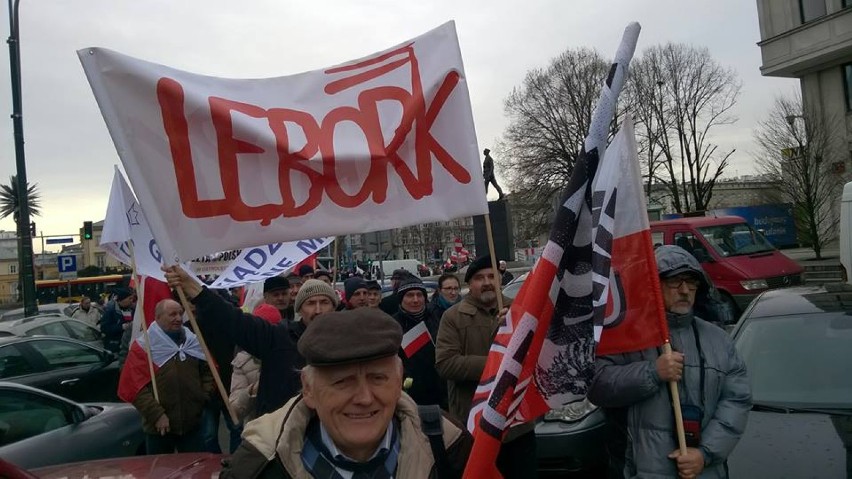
point(543, 354)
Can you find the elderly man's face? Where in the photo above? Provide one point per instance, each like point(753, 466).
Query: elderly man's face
point(359, 298)
point(679, 292)
point(483, 286)
point(170, 316)
point(355, 402)
point(280, 298)
point(314, 306)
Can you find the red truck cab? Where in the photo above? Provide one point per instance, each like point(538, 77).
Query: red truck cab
point(740, 261)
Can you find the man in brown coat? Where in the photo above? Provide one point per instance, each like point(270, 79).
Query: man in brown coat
point(184, 384)
point(464, 337)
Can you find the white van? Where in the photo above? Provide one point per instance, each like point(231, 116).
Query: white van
point(389, 266)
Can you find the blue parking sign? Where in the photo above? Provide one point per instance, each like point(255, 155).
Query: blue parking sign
point(67, 263)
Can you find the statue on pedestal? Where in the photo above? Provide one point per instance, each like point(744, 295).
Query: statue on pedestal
point(488, 174)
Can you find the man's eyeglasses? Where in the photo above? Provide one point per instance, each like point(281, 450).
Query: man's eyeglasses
point(451, 288)
point(674, 283)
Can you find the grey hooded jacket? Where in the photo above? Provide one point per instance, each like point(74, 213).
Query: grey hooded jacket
point(631, 381)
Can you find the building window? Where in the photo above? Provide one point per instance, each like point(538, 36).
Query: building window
point(100, 260)
point(811, 9)
point(13, 269)
point(847, 85)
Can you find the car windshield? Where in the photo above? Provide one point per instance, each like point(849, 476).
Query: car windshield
point(799, 360)
point(735, 239)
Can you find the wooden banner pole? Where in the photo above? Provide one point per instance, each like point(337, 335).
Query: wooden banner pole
point(681, 435)
point(144, 323)
point(494, 261)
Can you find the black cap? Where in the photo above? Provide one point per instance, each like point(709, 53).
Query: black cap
point(483, 262)
point(353, 284)
point(373, 284)
point(409, 283)
point(306, 269)
point(352, 336)
point(275, 283)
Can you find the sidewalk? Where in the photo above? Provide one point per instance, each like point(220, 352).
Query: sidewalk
point(806, 256)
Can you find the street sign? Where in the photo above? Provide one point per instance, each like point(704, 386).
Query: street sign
point(67, 266)
point(59, 240)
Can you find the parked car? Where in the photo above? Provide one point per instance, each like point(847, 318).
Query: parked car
point(53, 324)
point(38, 428)
point(797, 347)
point(514, 287)
point(739, 260)
point(50, 308)
point(63, 366)
point(196, 465)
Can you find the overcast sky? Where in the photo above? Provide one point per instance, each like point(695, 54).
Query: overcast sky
point(69, 152)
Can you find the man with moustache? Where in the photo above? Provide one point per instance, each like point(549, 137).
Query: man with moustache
point(464, 339)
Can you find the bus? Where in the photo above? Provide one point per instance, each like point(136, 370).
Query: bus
point(71, 290)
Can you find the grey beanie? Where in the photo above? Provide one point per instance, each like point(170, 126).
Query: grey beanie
point(314, 287)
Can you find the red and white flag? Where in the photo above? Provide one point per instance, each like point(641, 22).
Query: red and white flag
point(221, 164)
point(415, 339)
point(543, 354)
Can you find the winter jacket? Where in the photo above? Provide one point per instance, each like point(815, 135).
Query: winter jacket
point(631, 381)
point(112, 325)
point(464, 339)
point(426, 386)
point(184, 387)
point(271, 344)
point(272, 445)
point(246, 372)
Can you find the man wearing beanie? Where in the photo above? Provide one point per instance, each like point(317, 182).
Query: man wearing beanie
point(352, 419)
point(273, 345)
point(390, 304)
point(374, 293)
point(419, 323)
point(464, 339)
point(355, 289)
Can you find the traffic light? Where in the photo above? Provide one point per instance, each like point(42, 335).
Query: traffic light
point(87, 230)
point(32, 228)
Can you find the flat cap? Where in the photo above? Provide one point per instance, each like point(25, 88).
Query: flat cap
point(352, 336)
point(275, 283)
point(483, 262)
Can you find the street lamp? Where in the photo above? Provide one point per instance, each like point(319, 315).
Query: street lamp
point(25, 241)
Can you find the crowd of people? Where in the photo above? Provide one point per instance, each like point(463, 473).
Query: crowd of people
point(326, 383)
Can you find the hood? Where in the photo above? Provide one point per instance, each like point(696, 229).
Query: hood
point(672, 260)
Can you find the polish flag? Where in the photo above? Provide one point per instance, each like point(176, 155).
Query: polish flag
point(415, 338)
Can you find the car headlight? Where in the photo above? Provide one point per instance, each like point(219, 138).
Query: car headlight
point(572, 412)
point(753, 284)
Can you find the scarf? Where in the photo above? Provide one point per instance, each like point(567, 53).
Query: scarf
point(321, 464)
point(163, 348)
point(445, 304)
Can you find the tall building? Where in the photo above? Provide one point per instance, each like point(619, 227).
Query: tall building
point(811, 40)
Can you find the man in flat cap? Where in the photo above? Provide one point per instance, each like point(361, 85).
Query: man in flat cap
point(352, 419)
point(464, 339)
point(273, 344)
point(276, 292)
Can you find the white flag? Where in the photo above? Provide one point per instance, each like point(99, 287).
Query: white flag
point(378, 143)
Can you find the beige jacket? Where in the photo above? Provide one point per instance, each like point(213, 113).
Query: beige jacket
point(281, 434)
point(246, 372)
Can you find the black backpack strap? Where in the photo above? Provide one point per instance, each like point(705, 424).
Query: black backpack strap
point(431, 424)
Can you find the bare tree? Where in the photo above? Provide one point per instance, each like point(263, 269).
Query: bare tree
point(549, 116)
point(679, 93)
point(796, 149)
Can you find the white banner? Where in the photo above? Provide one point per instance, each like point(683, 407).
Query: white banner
point(125, 223)
point(378, 143)
point(261, 262)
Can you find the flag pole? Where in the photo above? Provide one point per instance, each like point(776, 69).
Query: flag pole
point(334, 271)
point(144, 323)
point(214, 369)
point(681, 435)
point(490, 236)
